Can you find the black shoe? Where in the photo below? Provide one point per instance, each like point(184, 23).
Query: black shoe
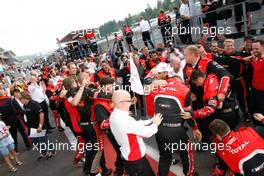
point(51, 128)
point(90, 174)
point(78, 164)
point(195, 174)
point(51, 154)
point(42, 155)
point(175, 161)
point(247, 117)
point(60, 129)
point(29, 147)
point(49, 131)
point(118, 172)
point(107, 172)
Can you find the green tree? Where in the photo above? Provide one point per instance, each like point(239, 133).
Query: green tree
point(112, 26)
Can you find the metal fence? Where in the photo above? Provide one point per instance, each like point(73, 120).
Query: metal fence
point(252, 20)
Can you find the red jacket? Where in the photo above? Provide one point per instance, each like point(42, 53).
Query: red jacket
point(211, 85)
point(150, 98)
point(108, 105)
point(174, 89)
point(127, 30)
point(74, 116)
point(208, 66)
point(90, 35)
point(118, 38)
point(239, 147)
point(154, 64)
point(102, 73)
point(162, 19)
point(258, 78)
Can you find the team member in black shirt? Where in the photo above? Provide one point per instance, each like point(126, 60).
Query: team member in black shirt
point(35, 119)
point(234, 64)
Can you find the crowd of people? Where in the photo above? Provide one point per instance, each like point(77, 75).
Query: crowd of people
point(216, 92)
point(210, 90)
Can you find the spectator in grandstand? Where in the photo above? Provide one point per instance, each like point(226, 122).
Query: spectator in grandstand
point(185, 22)
point(164, 23)
point(211, 5)
point(118, 42)
point(177, 15)
point(145, 31)
point(128, 33)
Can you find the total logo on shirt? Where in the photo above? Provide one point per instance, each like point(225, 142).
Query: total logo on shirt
point(239, 148)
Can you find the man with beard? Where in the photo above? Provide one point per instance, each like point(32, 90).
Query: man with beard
point(257, 90)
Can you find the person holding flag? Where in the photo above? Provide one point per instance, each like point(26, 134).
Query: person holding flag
point(136, 75)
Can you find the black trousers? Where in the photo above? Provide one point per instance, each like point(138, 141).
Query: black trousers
point(18, 126)
point(139, 168)
point(45, 109)
point(241, 94)
point(169, 140)
point(119, 163)
point(166, 32)
point(203, 125)
point(146, 38)
point(231, 118)
point(257, 97)
point(63, 114)
point(120, 45)
point(187, 37)
point(130, 42)
point(92, 154)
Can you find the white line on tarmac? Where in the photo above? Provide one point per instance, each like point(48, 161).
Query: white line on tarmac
point(150, 151)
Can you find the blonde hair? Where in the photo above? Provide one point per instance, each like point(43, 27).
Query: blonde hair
point(193, 49)
point(81, 76)
point(229, 41)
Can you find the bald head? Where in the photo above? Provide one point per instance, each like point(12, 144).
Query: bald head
point(175, 63)
point(121, 99)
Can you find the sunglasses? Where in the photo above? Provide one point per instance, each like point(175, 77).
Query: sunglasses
point(125, 101)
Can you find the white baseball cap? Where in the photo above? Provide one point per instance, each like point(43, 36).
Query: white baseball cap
point(162, 67)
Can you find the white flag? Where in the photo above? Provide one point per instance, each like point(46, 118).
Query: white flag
point(136, 85)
